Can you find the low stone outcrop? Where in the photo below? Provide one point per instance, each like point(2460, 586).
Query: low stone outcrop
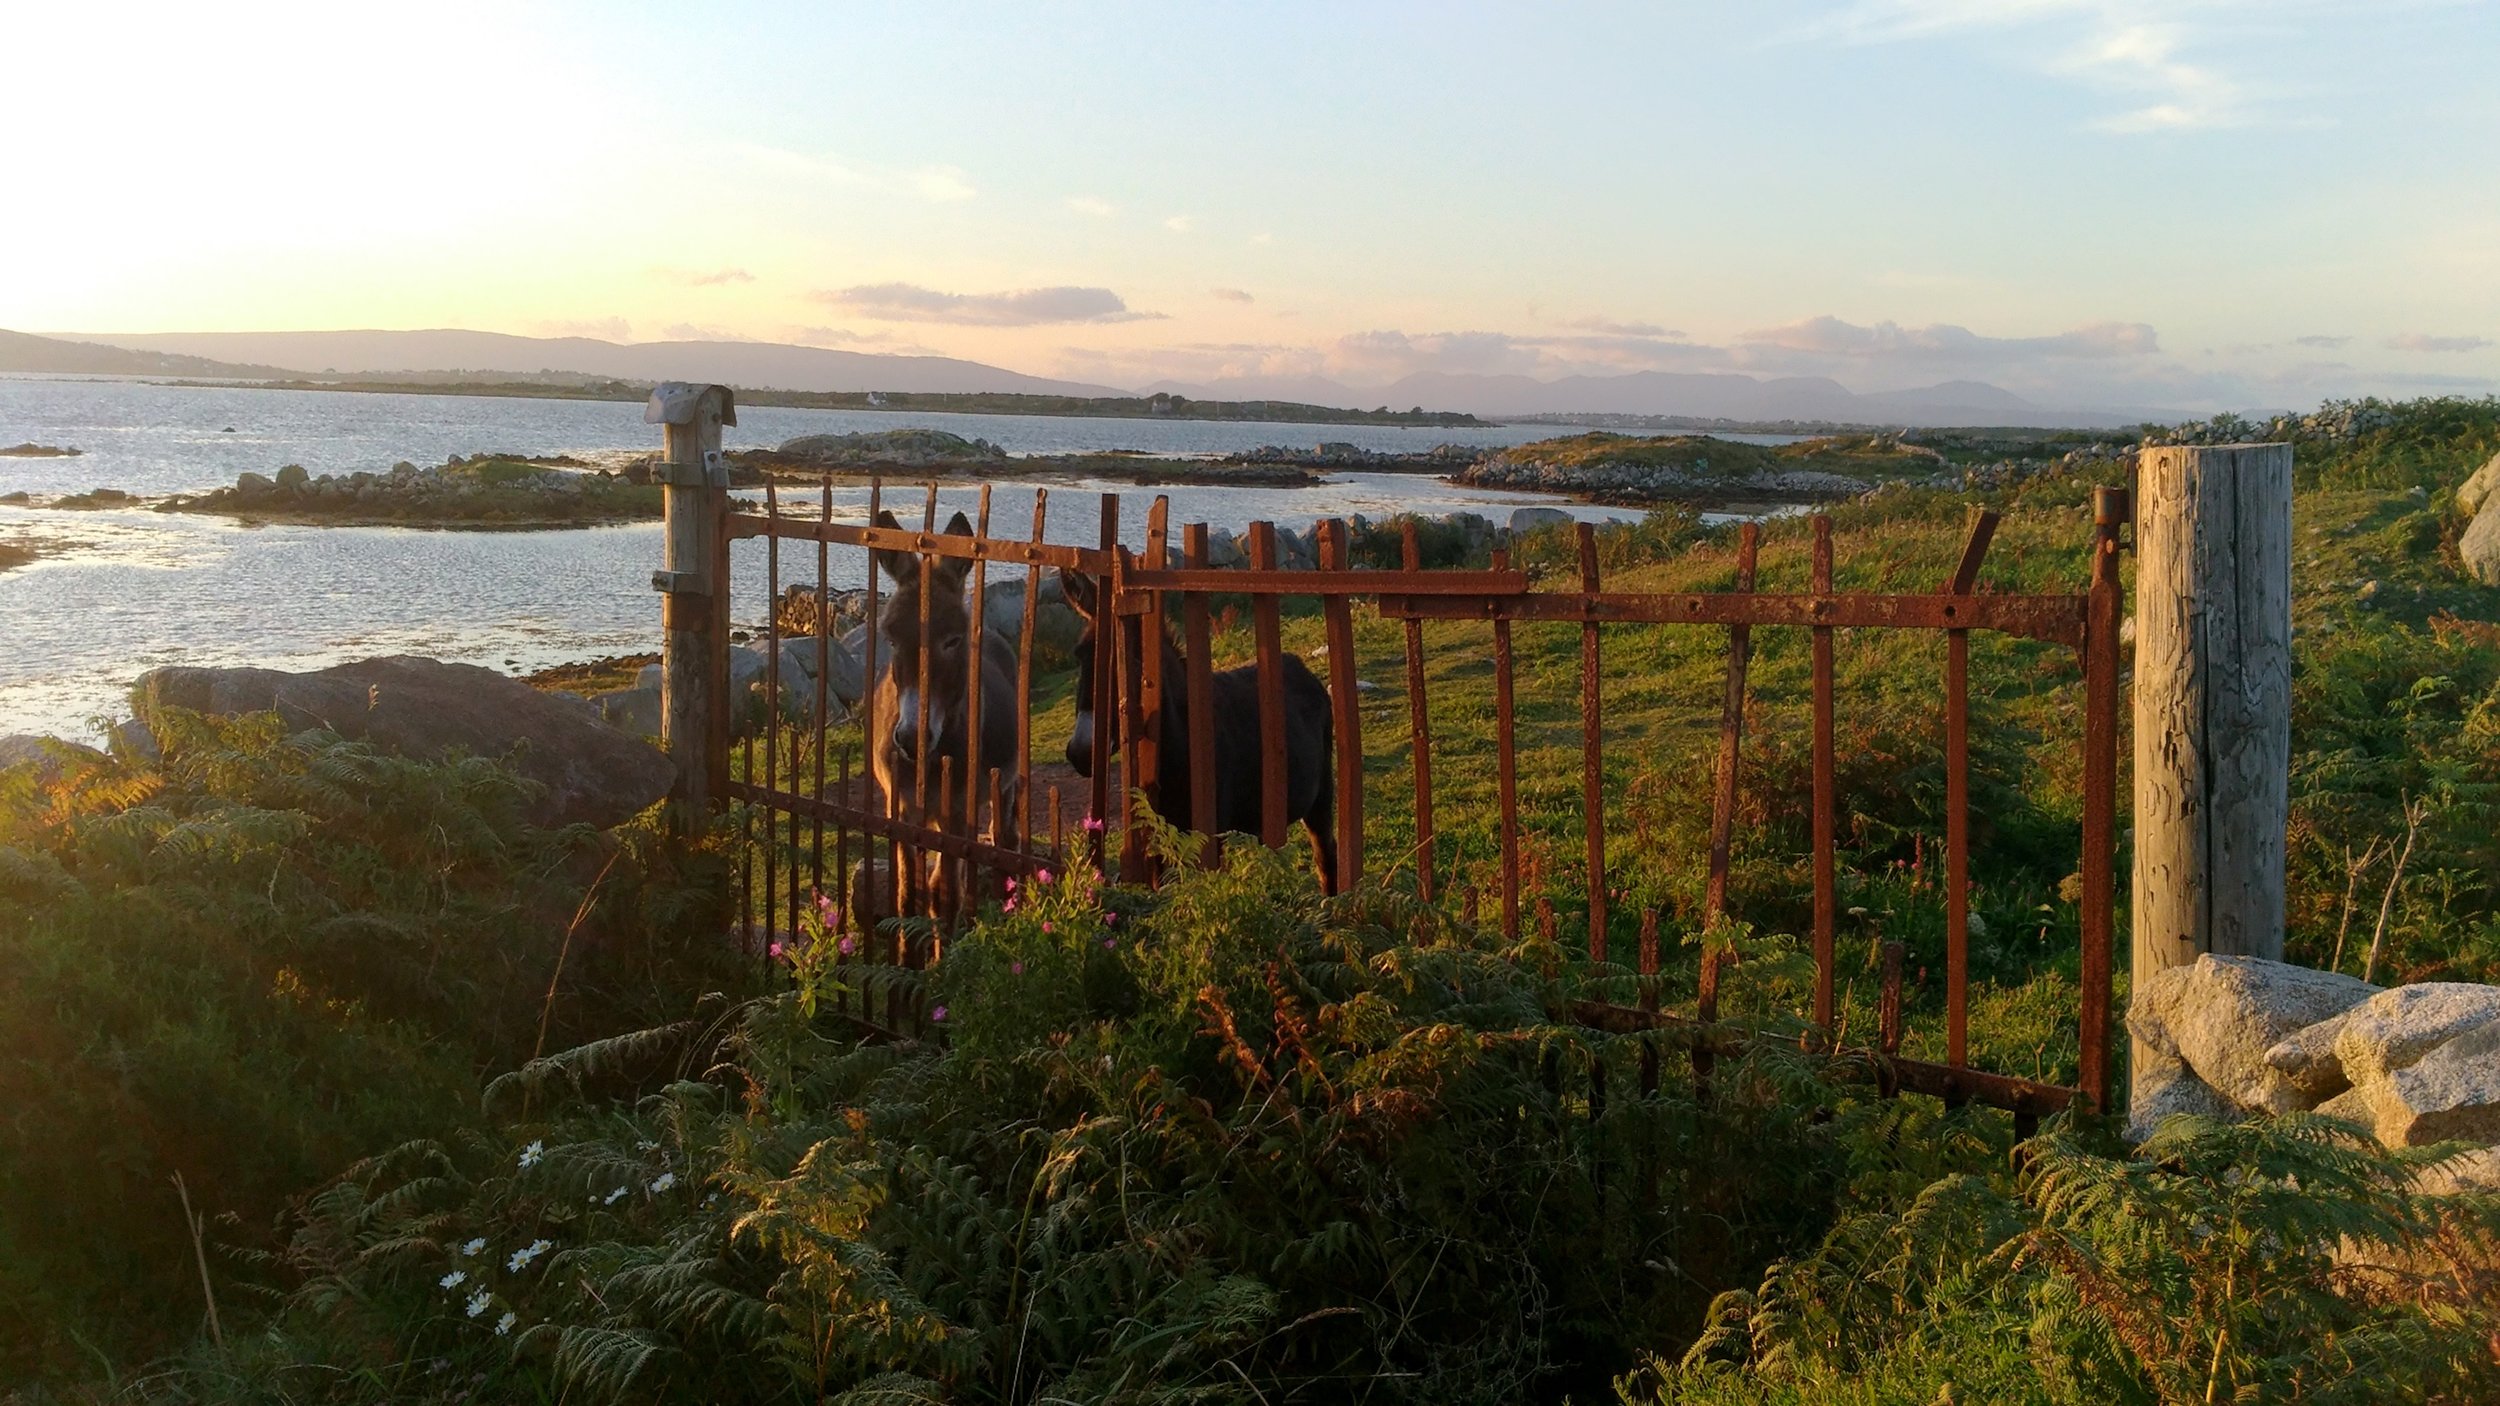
point(593, 772)
point(2415, 1064)
point(2452, 1092)
point(2224, 1015)
point(2398, 1026)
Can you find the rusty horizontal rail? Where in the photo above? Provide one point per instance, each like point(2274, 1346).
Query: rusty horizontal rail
point(2056, 619)
point(1920, 1076)
point(1092, 560)
point(936, 841)
point(1138, 583)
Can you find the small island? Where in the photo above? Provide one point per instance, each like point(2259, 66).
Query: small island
point(1604, 467)
point(481, 491)
point(32, 450)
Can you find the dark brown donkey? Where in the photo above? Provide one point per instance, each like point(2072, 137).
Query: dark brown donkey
point(1240, 792)
point(921, 736)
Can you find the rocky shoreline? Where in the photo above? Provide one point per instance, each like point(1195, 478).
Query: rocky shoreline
point(937, 454)
point(483, 491)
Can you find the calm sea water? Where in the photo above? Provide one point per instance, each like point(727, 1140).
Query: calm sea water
point(131, 590)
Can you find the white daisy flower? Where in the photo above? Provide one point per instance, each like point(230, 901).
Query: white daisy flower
point(618, 1195)
point(478, 1302)
point(454, 1279)
point(521, 1257)
point(504, 1324)
point(531, 1154)
point(663, 1183)
point(474, 1246)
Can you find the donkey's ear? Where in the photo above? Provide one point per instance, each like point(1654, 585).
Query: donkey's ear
point(892, 563)
point(1078, 589)
point(959, 525)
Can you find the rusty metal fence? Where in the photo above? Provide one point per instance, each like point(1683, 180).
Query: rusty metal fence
point(814, 827)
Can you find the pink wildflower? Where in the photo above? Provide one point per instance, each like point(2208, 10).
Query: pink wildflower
point(1093, 825)
point(773, 951)
point(1016, 968)
point(1042, 876)
point(1107, 943)
point(1110, 919)
point(937, 1014)
point(1045, 926)
point(845, 945)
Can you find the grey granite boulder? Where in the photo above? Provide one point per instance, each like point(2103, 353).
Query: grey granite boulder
point(2306, 1059)
point(2167, 1088)
point(2394, 1028)
point(2476, 491)
point(2479, 547)
point(2452, 1092)
point(1530, 519)
point(2221, 1016)
point(592, 772)
point(49, 756)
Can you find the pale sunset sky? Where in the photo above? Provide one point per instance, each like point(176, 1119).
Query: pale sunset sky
point(2183, 204)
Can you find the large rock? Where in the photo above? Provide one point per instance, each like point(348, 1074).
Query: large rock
point(2394, 1028)
point(799, 658)
point(2168, 1088)
point(1530, 519)
point(593, 772)
point(2307, 1061)
point(2221, 1015)
point(2452, 1092)
point(2477, 491)
point(634, 710)
point(49, 756)
point(2479, 548)
point(1056, 625)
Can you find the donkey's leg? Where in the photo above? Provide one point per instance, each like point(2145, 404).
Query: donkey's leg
point(1321, 821)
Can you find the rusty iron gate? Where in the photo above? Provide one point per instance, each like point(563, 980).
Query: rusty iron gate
point(811, 824)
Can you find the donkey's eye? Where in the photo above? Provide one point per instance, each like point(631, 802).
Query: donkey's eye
point(954, 644)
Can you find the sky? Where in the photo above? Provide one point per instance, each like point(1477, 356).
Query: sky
point(2194, 204)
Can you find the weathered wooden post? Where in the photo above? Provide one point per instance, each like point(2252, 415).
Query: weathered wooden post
point(694, 602)
point(2213, 695)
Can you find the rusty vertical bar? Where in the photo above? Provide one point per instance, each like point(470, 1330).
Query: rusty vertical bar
point(888, 902)
point(976, 665)
point(1271, 653)
point(1132, 734)
point(1148, 666)
point(824, 676)
point(1107, 739)
point(1592, 752)
point(1826, 796)
point(774, 814)
point(1198, 654)
point(1957, 800)
point(2111, 509)
point(1418, 720)
point(1024, 680)
point(1506, 763)
point(1344, 698)
point(921, 901)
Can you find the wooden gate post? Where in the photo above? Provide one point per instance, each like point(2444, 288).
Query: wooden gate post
point(694, 602)
point(2213, 694)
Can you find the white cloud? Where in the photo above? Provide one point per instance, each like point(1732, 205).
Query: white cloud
point(1232, 295)
point(1181, 224)
point(944, 184)
point(1095, 206)
point(2425, 342)
point(704, 278)
point(697, 332)
point(1620, 329)
point(1027, 307)
point(2139, 51)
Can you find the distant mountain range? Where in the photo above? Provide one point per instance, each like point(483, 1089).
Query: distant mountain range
point(452, 355)
point(442, 354)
